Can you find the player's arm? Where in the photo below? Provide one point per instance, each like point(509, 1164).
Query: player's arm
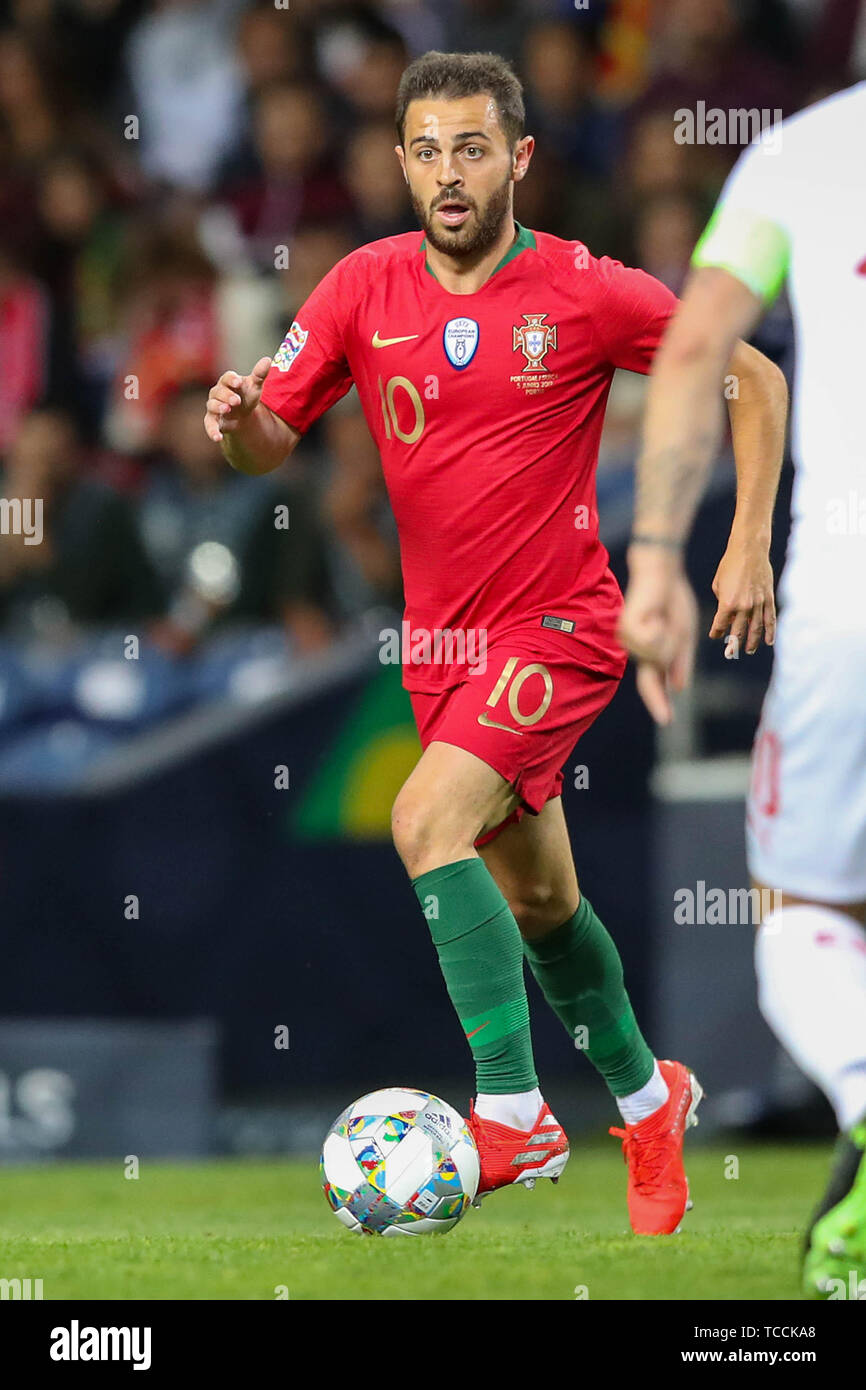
point(739, 264)
point(253, 439)
point(757, 396)
point(681, 434)
point(259, 419)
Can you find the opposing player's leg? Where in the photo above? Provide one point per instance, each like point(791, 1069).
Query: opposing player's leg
point(806, 849)
point(810, 959)
point(451, 799)
point(576, 963)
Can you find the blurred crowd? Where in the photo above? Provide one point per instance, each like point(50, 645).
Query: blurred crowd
point(175, 178)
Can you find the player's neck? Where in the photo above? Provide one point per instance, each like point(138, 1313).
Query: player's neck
point(465, 275)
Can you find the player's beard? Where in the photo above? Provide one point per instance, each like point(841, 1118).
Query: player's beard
point(477, 234)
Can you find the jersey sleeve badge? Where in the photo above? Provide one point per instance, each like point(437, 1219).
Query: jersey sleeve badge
point(289, 348)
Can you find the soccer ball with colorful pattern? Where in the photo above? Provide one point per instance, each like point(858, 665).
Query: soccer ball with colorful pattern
point(399, 1162)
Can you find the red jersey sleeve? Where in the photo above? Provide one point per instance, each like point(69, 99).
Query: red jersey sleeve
point(309, 372)
point(634, 311)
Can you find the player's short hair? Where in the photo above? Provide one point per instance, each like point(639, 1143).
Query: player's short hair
point(453, 75)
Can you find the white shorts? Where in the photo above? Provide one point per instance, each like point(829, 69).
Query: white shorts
point(806, 812)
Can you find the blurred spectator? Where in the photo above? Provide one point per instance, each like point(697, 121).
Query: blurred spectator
point(315, 250)
point(29, 97)
point(136, 260)
point(89, 565)
point(837, 50)
point(655, 163)
point(295, 179)
point(170, 331)
point(362, 58)
point(488, 26)
point(94, 38)
point(23, 345)
point(214, 538)
point(367, 561)
point(560, 68)
point(375, 182)
point(702, 55)
point(667, 227)
point(81, 258)
point(271, 47)
point(186, 89)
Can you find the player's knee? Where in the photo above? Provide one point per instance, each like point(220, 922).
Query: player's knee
point(419, 830)
point(539, 908)
point(429, 831)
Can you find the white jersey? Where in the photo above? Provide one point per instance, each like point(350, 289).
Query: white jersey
point(795, 207)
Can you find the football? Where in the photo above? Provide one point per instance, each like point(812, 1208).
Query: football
point(399, 1162)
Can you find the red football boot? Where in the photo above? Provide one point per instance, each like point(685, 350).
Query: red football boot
point(658, 1190)
point(518, 1155)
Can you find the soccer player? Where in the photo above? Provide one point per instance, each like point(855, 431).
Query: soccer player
point(483, 354)
point(794, 209)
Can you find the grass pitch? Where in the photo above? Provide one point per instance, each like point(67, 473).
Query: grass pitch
point(248, 1230)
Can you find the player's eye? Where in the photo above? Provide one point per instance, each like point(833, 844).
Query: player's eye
point(423, 153)
point(473, 150)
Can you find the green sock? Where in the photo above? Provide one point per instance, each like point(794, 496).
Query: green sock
point(580, 973)
point(481, 955)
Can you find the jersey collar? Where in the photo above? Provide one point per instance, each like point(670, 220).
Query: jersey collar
point(525, 241)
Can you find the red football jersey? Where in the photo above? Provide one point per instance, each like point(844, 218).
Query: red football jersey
point(487, 410)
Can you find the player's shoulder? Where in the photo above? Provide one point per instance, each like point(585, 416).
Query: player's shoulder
point(573, 267)
point(376, 257)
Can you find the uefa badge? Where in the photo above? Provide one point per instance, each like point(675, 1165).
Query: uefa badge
point(460, 340)
point(290, 347)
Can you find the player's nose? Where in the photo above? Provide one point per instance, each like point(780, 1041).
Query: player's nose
point(448, 175)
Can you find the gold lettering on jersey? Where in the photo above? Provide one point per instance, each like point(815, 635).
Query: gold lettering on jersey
point(387, 394)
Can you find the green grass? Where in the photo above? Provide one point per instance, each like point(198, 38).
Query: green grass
point(237, 1230)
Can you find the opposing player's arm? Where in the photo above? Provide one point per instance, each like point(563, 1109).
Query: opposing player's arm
point(757, 396)
point(739, 266)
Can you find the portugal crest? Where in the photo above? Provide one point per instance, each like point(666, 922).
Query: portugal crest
point(460, 341)
point(535, 338)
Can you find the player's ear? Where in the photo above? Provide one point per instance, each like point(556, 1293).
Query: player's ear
point(522, 155)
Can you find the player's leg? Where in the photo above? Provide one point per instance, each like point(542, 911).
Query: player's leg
point(810, 959)
point(806, 841)
point(576, 963)
point(494, 746)
point(573, 956)
point(450, 799)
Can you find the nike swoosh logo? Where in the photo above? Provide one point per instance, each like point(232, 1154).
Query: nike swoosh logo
point(389, 342)
point(485, 719)
point(478, 1029)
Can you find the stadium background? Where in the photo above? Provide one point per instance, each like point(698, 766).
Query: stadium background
point(208, 944)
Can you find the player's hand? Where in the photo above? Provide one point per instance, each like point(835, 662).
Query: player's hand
point(232, 399)
point(747, 608)
point(658, 627)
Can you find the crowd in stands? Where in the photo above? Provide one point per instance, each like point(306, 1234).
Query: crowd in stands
point(176, 176)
